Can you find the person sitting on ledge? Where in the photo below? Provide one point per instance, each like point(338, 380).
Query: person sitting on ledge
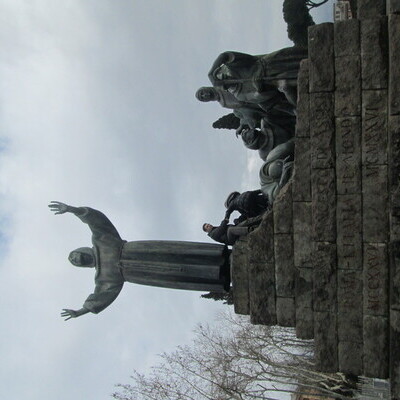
point(248, 204)
point(225, 233)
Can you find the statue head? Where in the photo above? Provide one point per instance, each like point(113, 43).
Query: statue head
point(82, 257)
point(207, 227)
point(207, 93)
point(230, 198)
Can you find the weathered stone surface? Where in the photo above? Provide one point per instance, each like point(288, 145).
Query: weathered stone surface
point(350, 357)
point(374, 53)
point(324, 277)
point(394, 151)
point(262, 293)
point(283, 214)
point(375, 277)
point(326, 341)
point(376, 347)
point(395, 353)
point(350, 303)
point(347, 37)
point(370, 8)
point(303, 101)
point(322, 130)
point(285, 311)
point(348, 155)
point(302, 170)
point(321, 58)
point(394, 62)
point(284, 265)
point(302, 234)
point(375, 204)
point(374, 138)
point(395, 275)
point(261, 241)
point(323, 188)
point(348, 85)
point(349, 228)
point(240, 277)
point(393, 6)
point(303, 302)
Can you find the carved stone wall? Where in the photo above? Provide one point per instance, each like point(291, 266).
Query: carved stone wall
point(333, 237)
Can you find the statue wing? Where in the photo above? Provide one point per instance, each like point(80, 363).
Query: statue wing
point(229, 121)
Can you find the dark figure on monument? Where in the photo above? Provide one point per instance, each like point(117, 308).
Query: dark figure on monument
point(249, 204)
point(260, 128)
point(277, 169)
point(259, 79)
point(169, 264)
point(225, 233)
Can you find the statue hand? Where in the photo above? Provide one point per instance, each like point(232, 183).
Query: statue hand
point(58, 208)
point(69, 314)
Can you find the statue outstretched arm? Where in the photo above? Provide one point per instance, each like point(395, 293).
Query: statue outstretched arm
point(61, 208)
point(73, 313)
point(98, 223)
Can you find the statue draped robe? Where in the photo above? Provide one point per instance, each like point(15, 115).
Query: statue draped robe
point(169, 264)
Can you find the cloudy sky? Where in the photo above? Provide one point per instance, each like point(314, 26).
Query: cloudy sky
point(97, 108)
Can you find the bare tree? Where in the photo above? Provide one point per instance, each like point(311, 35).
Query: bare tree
point(235, 360)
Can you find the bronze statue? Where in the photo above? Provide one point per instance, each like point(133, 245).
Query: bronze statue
point(169, 264)
point(259, 79)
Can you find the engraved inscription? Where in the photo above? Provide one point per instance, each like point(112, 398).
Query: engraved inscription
point(349, 231)
point(322, 130)
point(324, 205)
point(348, 155)
point(375, 279)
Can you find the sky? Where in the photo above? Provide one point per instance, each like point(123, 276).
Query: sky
point(97, 109)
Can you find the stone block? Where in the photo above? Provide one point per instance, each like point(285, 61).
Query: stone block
point(348, 86)
point(284, 265)
point(302, 170)
point(321, 58)
point(394, 151)
point(322, 130)
point(374, 137)
point(348, 155)
point(350, 303)
point(376, 347)
point(285, 311)
point(262, 294)
point(303, 102)
point(349, 231)
point(395, 275)
point(323, 188)
point(370, 8)
point(347, 37)
point(375, 204)
point(350, 358)
point(393, 8)
point(395, 353)
point(304, 303)
point(326, 341)
point(283, 213)
point(240, 277)
point(394, 62)
point(375, 279)
point(302, 234)
point(261, 241)
point(374, 53)
point(324, 277)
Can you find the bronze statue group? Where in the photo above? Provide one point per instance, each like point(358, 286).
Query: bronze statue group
point(261, 92)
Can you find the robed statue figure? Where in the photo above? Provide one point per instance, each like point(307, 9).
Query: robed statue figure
point(169, 264)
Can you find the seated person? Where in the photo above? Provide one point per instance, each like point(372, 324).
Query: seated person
point(225, 233)
point(248, 204)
